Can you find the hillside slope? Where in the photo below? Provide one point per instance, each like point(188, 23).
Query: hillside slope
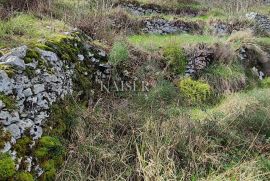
point(134, 90)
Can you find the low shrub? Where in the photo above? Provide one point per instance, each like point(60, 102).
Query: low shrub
point(194, 91)
point(176, 58)
point(265, 83)
point(119, 53)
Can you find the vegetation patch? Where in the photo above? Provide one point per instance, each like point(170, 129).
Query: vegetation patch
point(155, 42)
point(176, 58)
point(265, 83)
point(9, 102)
point(24, 176)
point(119, 53)
point(225, 78)
point(7, 167)
point(194, 91)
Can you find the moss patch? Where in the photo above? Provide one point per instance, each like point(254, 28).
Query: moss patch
point(8, 101)
point(7, 167)
point(22, 146)
point(24, 176)
point(8, 69)
point(50, 152)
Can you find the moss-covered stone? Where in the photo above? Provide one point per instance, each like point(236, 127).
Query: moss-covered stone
point(24, 176)
point(8, 101)
point(4, 137)
point(8, 69)
point(30, 55)
point(7, 167)
point(65, 47)
point(63, 118)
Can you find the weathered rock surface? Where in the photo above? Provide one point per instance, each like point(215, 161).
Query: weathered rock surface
point(262, 23)
point(199, 59)
point(162, 26)
point(146, 9)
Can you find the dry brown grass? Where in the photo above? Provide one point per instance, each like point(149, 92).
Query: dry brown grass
point(243, 36)
point(119, 140)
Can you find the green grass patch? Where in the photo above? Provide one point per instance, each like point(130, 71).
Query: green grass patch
point(26, 29)
point(156, 42)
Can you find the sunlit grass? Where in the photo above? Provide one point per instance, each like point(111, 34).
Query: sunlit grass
point(155, 42)
point(25, 29)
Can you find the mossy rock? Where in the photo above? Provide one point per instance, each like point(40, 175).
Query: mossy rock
point(8, 101)
point(4, 137)
point(7, 167)
point(66, 47)
point(30, 55)
point(8, 69)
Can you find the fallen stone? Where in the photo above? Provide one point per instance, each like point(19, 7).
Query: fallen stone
point(38, 88)
point(14, 131)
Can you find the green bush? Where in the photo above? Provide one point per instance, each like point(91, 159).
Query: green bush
point(24, 176)
point(194, 91)
point(119, 53)
point(265, 83)
point(176, 57)
point(7, 166)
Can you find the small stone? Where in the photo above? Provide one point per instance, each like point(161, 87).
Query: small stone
point(14, 131)
point(25, 123)
point(6, 148)
point(36, 132)
point(2, 105)
point(15, 62)
point(27, 92)
point(38, 88)
point(19, 52)
point(5, 82)
point(81, 57)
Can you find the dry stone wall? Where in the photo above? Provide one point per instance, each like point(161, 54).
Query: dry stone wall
point(33, 79)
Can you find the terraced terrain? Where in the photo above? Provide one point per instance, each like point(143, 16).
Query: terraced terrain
point(139, 90)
